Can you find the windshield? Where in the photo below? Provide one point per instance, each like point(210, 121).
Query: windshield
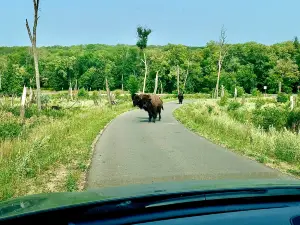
point(102, 94)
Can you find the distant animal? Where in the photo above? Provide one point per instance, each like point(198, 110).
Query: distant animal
point(56, 107)
point(180, 97)
point(151, 103)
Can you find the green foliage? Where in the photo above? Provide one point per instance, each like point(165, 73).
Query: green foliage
point(223, 101)
point(293, 120)
point(233, 105)
point(240, 91)
point(210, 108)
point(259, 103)
point(282, 97)
point(82, 93)
point(142, 34)
point(10, 129)
point(255, 92)
point(45, 99)
point(270, 117)
point(132, 85)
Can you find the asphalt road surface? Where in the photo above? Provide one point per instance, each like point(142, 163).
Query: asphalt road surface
point(133, 151)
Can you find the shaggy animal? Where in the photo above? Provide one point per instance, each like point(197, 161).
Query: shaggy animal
point(150, 103)
point(180, 97)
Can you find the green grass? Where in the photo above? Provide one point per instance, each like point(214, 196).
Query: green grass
point(55, 155)
point(214, 123)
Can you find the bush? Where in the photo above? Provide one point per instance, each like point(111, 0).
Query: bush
point(268, 117)
point(240, 91)
point(10, 130)
point(256, 92)
point(282, 97)
point(293, 120)
point(259, 103)
point(83, 93)
point(233, 105)
point(223, 101)
point(132, 85)
point(242, 116)
point(206, 90)
point(210, 108)
point(45, 99)
point(117, 94)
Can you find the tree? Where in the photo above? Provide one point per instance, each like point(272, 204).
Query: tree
point(132, 85)
point(32, 37)
point(222, 55)
point(143, 34)
point(286, 69)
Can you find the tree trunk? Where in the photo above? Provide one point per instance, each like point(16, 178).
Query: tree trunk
point(177, 79)
point(122, 83)
point(219, 73)
point(23, 100)
point(161, 88)
point(146, 71)
point(108, 91)
point(70, 91)
point(0, 82)
point(12, 100)
point(30, 95)
point(37, 79)
point(279, 87)
point(156, 82)
point(222, 91)
point(32, 37)
point(187, 73)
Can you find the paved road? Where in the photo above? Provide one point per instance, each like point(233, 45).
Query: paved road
point(133, 151)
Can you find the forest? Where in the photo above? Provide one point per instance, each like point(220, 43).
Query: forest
point(247, 66)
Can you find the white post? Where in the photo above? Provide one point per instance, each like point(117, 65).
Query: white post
point(292, 102)
point(23, 100)
point(235, 92)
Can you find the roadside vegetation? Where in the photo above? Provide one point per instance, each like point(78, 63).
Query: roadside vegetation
point(265, 129)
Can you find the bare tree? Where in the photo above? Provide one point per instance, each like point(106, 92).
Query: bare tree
point(177, 79)
point(108, 91)
point(32, 37)
point(186, 75)
point(23, 101)
point(222, 55)
point(143, 34)
point(156, 82)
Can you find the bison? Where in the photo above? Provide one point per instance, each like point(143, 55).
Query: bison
point(150, 103)
point(180, 97)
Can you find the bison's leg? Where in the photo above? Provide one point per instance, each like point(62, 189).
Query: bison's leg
point(159, 111)
point(150, 116)
point(154, 115)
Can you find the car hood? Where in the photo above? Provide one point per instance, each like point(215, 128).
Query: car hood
point(49, 201)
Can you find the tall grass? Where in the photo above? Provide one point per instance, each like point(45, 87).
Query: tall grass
point(39, 161)
point(218, 126)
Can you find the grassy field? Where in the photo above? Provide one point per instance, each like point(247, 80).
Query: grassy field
point(54, 154)
point(233, 127)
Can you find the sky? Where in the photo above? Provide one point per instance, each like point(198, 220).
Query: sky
point(188, 22)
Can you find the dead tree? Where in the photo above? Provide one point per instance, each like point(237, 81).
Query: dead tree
point(177, 79)
point(108, 91)
point(156, 82)
point(23, 101)
point(186, 75)
point(222, 54)
point(32, 37)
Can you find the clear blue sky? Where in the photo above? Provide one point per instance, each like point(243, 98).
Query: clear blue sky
point(189, 22)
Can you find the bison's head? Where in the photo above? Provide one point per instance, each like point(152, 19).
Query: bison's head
point(140, 100)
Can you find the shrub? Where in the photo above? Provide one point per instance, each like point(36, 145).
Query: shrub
point(132, 85)
point(233, 105)
point(293, 120)
point(83, 93)
point(10, 130)
point(242, 116)
point(205, 90)
point(256, 92)
point(282, 97)
point(240, 91)
point(268, 117)
point(210, 108)
point(259, 103)
point(223, 101)
point(117, 94)
point(45, 99)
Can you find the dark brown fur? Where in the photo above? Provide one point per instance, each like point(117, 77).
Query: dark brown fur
point(150, 103)
point(180, 97)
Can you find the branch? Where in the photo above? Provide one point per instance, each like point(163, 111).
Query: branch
point(36, 17)
point(29, 32)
